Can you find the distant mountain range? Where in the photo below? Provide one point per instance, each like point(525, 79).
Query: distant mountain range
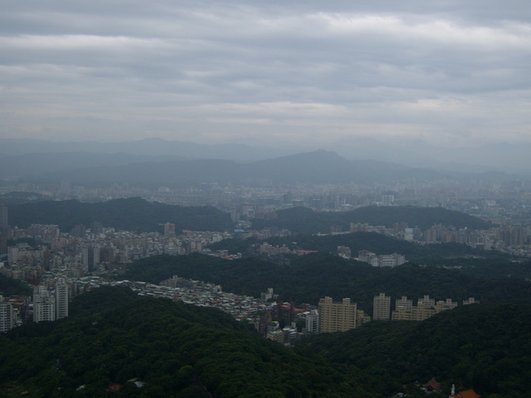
point(411, 153)
point(318, 167)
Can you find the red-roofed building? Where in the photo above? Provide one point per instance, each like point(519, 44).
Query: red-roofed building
point(466, 394)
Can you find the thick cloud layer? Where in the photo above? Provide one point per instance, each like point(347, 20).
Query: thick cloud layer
point(269, 72)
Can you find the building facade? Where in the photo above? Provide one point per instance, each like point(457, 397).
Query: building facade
point(61, 299)
point(381, 308)
point(337, 317)
point(43, 305)
point(7, 316)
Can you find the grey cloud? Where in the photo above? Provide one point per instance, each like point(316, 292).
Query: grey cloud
point(210, 70)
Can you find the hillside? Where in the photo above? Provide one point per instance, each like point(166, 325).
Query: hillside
point(482, 347)
point(177, 350)
point(356, 241)
point(130, 214)
point(306, 279)
point(306, 221)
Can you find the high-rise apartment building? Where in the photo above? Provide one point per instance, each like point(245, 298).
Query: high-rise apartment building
point(7, 316)
point(312, 322)
point(425, 308)
point(91, 258)
point(61, 299)
point(336, 317)
point(43, 304)
point(403, 310)
point(381, 308)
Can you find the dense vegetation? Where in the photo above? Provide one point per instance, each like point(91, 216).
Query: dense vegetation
point(10, 287)
point(116, 337)
point(306, 221)
point(307, 278)
point(178, 350)
point(487, 348)
point(130, 214)
point(377, 243)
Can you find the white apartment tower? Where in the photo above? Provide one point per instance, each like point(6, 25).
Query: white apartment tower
point(7, 316)
point(312, 322)
point(43, 304)
point(61, 298)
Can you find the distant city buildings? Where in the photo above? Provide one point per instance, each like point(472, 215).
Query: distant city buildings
point(51, 304)
point(382, 260)
point(344, 252)
point(425, 308)
point(169, 229)
point(43, 304)
point(75, 256)
point(91, 258)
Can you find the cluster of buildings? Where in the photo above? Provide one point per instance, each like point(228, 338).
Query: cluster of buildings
point(405, 310)
point(42, 249)
point(49, 303)
point(376, 260)
point(331, 316)
point(381, 260)
point(514, 239)
point(50, 300)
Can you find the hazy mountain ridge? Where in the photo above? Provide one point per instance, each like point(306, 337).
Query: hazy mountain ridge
point(410, 153)
point(319, 167)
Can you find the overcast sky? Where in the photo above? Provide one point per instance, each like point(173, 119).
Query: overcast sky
point(274, 72)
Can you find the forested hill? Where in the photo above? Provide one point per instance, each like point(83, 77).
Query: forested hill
point(482, 347)
point(177, 350)
point(306, 279)
point(372, 241)
point(130, 214)
point(306, 221)
point(10, 286)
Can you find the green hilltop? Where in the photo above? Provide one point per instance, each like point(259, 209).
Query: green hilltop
point(130, 214)
point(307, 221)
